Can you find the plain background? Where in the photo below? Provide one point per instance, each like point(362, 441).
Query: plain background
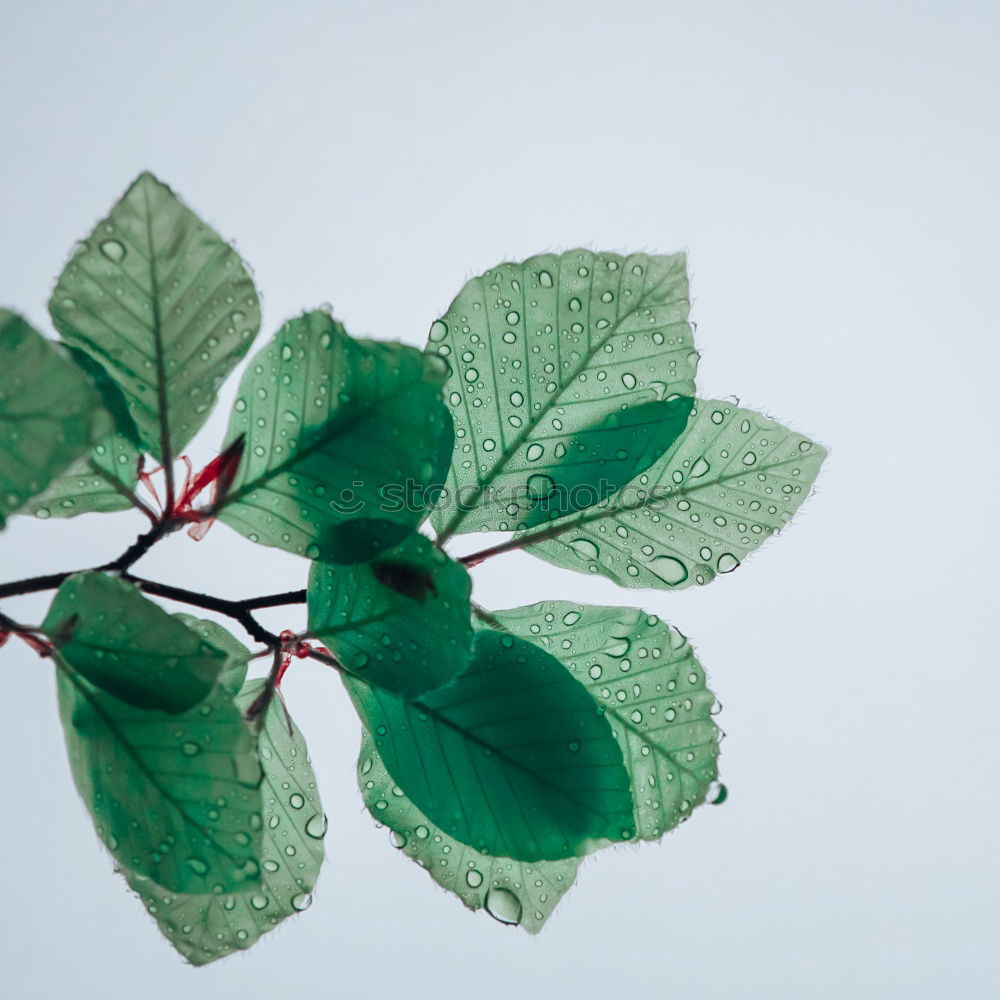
point(832, 171)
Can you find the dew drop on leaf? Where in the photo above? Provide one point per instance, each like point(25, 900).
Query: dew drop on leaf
point(503, 905)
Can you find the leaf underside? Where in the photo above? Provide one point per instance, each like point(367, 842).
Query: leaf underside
point(646, 678)
point(541, 350)
point(204, 927)
point(49, 413)
point(511, 757)
point(164, 305)
point(732, 479)
point(175, 798)
point(336, 431)
point(513, 892)
point(104, 479)
point(126, 645)
point(402, 621)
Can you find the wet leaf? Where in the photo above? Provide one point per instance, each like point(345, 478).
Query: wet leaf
point(401, 621)
point(102, 480)
point(731, 480)
point(164, 305)
point(130, 647)
point(511, 758)
point(49, 413)
point(204, 927)
point(602, 458)
point(343, 439)
point(538, 352)
point(512, 892)
point(174, 798)
point(233, 674)
point(646, 678)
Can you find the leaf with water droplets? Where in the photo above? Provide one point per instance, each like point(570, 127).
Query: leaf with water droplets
point(126, 645)
point(49, 413)
point(343, 442)
point(104, 479)
point(164, 305)
point(234, 673)
point(175, 798)
point(544, 350)
point(731, 480)
point(207, 926)
point(401, 621)
point(645, 677)
point(512, 892)
point(511, 758)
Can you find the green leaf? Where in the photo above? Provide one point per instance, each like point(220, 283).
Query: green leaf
point(540, 351)
point(207, 926)
point(164, 305)
point(401, 621)
point(49, 413)
point(732, 479)
point(104, 480)
point(602, 458)
point(511, 758)
point(646, 678)
point(342, 442)
point(513, 892)
point(175, 798)
point(234, 673)
point(130, 647)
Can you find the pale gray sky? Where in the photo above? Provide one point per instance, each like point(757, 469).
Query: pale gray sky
point(832, 171)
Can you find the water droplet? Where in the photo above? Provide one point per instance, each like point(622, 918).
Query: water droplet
point(513, 318)
point(727, 562)
point(316, 826)
point(545, 279)
point(585, 548)
point(534, 452)
point(699, 468)
point(474, 878)
point(575, 305)
point(471, 375)
point(198, 866)
point(439, 330)
point(302, 901)
point(258, 902)
point(670, 570)
point(114, 250)
point(489, 444)
point(191, 749)
point(749, 458)
point(541, 486)
point(503, 905)
point(571, 617)
point(296, 801)
point(628, 380)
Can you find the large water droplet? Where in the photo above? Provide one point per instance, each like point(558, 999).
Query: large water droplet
point(503, 905)
point(540, 486)
point(114, 250)
point(727, 562)
point(585, 548)
point(439, 330)
point(670, 570)
point(316, 826)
